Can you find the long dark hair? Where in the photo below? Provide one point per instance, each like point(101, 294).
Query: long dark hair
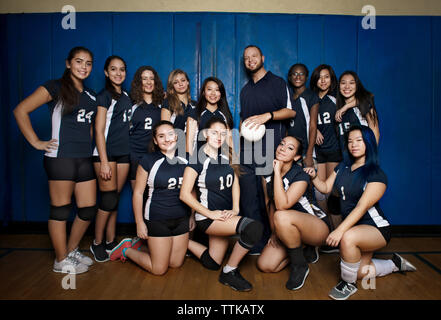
point(365, 99)
point(69, 95)
point(222, 104)
point(172, 97)
point(315, 76)
point(372, 163)
point(109, 86)
point(232, 157)
point(136, 92)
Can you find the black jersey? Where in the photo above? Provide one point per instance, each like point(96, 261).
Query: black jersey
point(180, 120)
point(351, 117)
point(164, 183)
point(350, 191)
point(269, 94)
point(306, 203)
point(73, 131)
point(116, 131)
point(326, 124)
point(214, 183)
point(144, 116)
point(299, 125)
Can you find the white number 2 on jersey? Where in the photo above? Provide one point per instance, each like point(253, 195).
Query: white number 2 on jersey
point(229, 181)
point(148, 123)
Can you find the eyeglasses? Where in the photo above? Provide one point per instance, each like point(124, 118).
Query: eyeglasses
point(295, 74)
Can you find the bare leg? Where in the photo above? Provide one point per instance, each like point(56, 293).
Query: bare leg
point(60, 193)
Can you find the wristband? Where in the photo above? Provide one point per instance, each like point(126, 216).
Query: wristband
point(272, 116)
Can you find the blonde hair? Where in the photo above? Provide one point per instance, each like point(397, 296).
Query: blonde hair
point(172, 97)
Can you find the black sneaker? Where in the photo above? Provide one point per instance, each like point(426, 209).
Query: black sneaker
point(235, 280)
point(110, 246)
point(297, 277)
point(311, 254)
point(402, 264)
point(329, 249)
point(99, 252)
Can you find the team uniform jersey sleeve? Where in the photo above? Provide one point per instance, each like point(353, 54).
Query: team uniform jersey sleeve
point(53, 87)
point(196, 167)
point(165, 105)
point(378, 176)
point(340, 166)
point(147, 162)
point(298, 175)
point(103, 99)
point(193, 114)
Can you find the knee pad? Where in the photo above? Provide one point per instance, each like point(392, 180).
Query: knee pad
point(250, 232)
point(109, 200)
point(319, 196)
point(61, 213)
point(334, 205)
point(208, 262)
point(87, 213)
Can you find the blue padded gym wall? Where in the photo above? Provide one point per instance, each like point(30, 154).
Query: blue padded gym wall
point(399, 61)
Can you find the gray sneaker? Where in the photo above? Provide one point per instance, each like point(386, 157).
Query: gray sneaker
point(343, 290)
point(402, 264)
point(76, 254)
point(69, 265)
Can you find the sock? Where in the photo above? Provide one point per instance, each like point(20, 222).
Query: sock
point(384, 267)
point(228, 268)
point(107, 242)
point(349, 271)
point(296, 256)
point(94, 243)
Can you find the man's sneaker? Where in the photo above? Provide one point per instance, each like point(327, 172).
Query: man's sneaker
point(329, 249)
point(136, 243)
point(118, 252)
point(99, 252)
point(311, 254)
point(70, 265)
point(235, 280)
point(297, 276)
point(343, 290)
point(402, 264)
point(111, 245)
point(76, 254)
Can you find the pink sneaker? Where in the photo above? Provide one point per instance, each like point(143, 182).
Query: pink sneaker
point(137, 243)
point(118, 251)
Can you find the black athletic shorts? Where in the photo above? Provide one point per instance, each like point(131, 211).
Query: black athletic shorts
point(117, 159)
point(168, 228)
point(328, 156)
point(71, 169)
point(203, 225)
point(386, 232)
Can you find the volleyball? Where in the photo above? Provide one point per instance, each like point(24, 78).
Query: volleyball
point(254, 134)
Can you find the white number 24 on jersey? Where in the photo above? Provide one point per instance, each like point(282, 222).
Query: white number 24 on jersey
point(82, 116)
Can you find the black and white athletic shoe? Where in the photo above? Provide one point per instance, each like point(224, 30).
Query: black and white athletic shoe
point(99, 252)
point(402, 264)
point(329, 249)
point(235, 280)
point(343, 290)
point(311, 254)
point(110, 246)
point(297, 277)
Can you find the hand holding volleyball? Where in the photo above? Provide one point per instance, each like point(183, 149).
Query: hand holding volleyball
point(252, 131)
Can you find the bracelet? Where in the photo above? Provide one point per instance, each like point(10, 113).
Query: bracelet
point(272, 116)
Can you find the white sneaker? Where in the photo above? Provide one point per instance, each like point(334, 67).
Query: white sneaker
point(70, 265)
point(76, 254)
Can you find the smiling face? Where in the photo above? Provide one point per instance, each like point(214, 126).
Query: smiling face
point(324, 82)
point(180, 83)
point(253, 60)
point(348, 86)
point(216, 135)
point(116, 72)
point(80, 65)
point(287, 149)
point(356, 145)
point(212, 93)
point(148, 81)
point(165, 138)
point(298, 77)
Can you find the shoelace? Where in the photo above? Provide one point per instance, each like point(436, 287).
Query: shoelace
point(76, 254)
point(72, 260)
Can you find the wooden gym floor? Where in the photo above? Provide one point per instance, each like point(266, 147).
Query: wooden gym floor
point(26, 274)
